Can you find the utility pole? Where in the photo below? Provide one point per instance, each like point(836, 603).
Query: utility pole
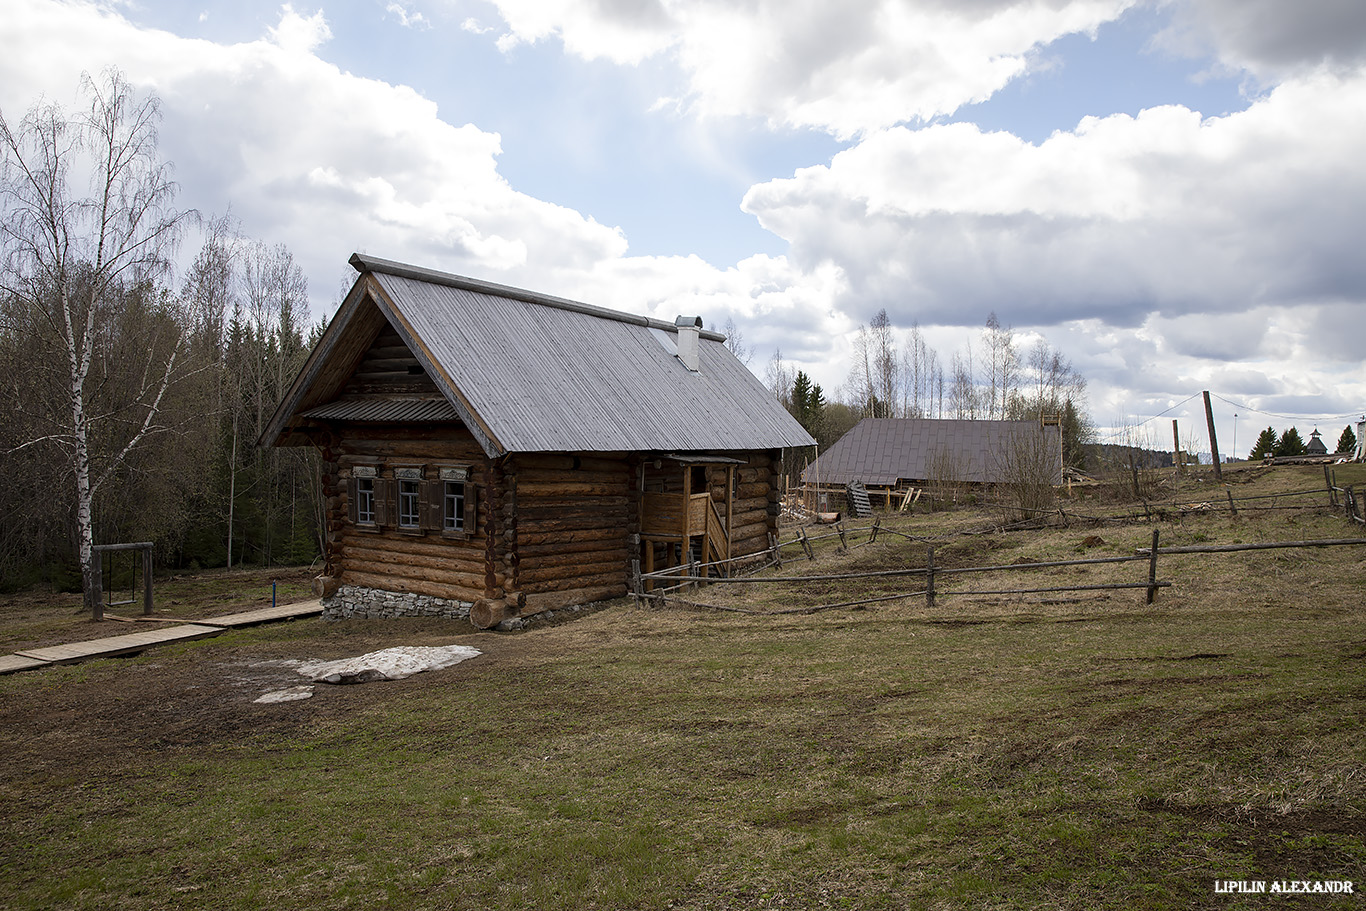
point(1176, 449)
point(1213, 441)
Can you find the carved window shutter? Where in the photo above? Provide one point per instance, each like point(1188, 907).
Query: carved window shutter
point(386, 501)
point(431, 513)
point(352, 500)
point(471, 508)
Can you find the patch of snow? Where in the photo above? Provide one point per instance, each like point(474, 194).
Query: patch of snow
point(290, 695)
point(387, 664)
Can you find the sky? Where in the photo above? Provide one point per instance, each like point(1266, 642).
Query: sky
point(1170, 192)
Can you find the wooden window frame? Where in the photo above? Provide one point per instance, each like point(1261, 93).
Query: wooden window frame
point(408, 522)
point(409, 517)
point(455, 474)
point(365, 491)
point(368, 474)
point(453, 506)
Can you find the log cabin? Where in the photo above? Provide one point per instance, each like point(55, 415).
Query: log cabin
point(487, 450)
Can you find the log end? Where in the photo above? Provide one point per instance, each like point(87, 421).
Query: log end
point(486, 613)
point(326, 586)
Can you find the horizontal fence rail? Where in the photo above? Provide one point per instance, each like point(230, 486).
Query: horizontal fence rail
point(684, 576)
point(694, 574)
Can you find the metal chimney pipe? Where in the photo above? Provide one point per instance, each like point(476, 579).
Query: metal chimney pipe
point(689, 334)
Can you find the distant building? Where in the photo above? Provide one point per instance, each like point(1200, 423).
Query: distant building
point(1316, 446)
point(889, 452)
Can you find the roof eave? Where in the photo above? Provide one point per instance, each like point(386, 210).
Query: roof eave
point(365, 264)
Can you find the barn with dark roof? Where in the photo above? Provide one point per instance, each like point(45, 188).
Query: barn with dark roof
point(890, 452)
point(485, 445)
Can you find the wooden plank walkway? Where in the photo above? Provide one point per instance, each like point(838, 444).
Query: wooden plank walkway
point(11, 663)
point(29, 659)
point(119, 645)
point(267, 614)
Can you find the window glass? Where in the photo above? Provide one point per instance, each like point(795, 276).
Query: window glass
point(408, 504)
point(365, 501)
point(454, 506)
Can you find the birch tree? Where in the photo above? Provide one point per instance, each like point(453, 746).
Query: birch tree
point(68, 258)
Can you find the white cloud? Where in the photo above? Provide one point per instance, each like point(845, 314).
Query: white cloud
point(1130, 242)
point(299, 34)
point(1123, 217)
point(407, 18)
point(324, 161)
point(843, 67)
point(328, 163)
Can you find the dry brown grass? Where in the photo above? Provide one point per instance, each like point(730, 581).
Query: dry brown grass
point(1072, 751)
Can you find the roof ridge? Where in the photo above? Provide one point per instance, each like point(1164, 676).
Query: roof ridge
point(364, 263)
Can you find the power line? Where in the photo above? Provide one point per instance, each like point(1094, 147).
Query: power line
point(1287, 417)
point(1125, 430)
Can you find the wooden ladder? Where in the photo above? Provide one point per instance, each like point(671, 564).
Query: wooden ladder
point(857, 496)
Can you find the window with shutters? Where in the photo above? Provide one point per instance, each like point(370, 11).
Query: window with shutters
point(365, 501)
point(365, 498)
point(413, 501)
point(455, 510)
point(408, 498)
point(453, 506)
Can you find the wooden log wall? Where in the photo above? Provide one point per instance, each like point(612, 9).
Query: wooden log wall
point(556, 529)
point(756, 503)
point(428, 563)
point(573, 520)
point(754, 512)
point(334, 502)
point(389, 367)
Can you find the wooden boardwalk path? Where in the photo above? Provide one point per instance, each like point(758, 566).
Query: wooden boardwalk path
point(130, 643)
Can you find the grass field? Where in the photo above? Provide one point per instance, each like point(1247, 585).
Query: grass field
point(1078, 750)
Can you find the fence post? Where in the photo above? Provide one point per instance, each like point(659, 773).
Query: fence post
point(1152, 569)
point(877, 523)
point(97, 594)
point(147, 581)
point(929, 577)
point(774, 549)
point(635, 580)
point(1231, 508)
point(1328, 482)
point(844, 542)
point(806, 545)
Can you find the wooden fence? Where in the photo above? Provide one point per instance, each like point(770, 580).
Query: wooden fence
point(693, 575)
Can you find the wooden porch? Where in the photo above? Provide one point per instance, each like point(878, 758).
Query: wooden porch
point(677, 522)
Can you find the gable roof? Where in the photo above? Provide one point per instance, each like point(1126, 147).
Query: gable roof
point(885, 450)
point(527, 372)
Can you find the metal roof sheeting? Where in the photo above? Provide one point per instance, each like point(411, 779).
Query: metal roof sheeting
point(885, 450)
point(384, 408)
point(543, 374)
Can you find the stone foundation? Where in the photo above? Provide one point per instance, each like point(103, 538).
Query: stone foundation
point(355, 602)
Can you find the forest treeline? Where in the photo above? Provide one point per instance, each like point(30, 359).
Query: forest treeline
point(132, 396)
point(230, 337)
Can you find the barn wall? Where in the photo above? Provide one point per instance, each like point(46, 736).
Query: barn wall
point(426, 562)
point(569, 519)
point(755, 510)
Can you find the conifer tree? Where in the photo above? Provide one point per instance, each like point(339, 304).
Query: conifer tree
point(1265, 445)
point(1348, 441)
point(1290, 444)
